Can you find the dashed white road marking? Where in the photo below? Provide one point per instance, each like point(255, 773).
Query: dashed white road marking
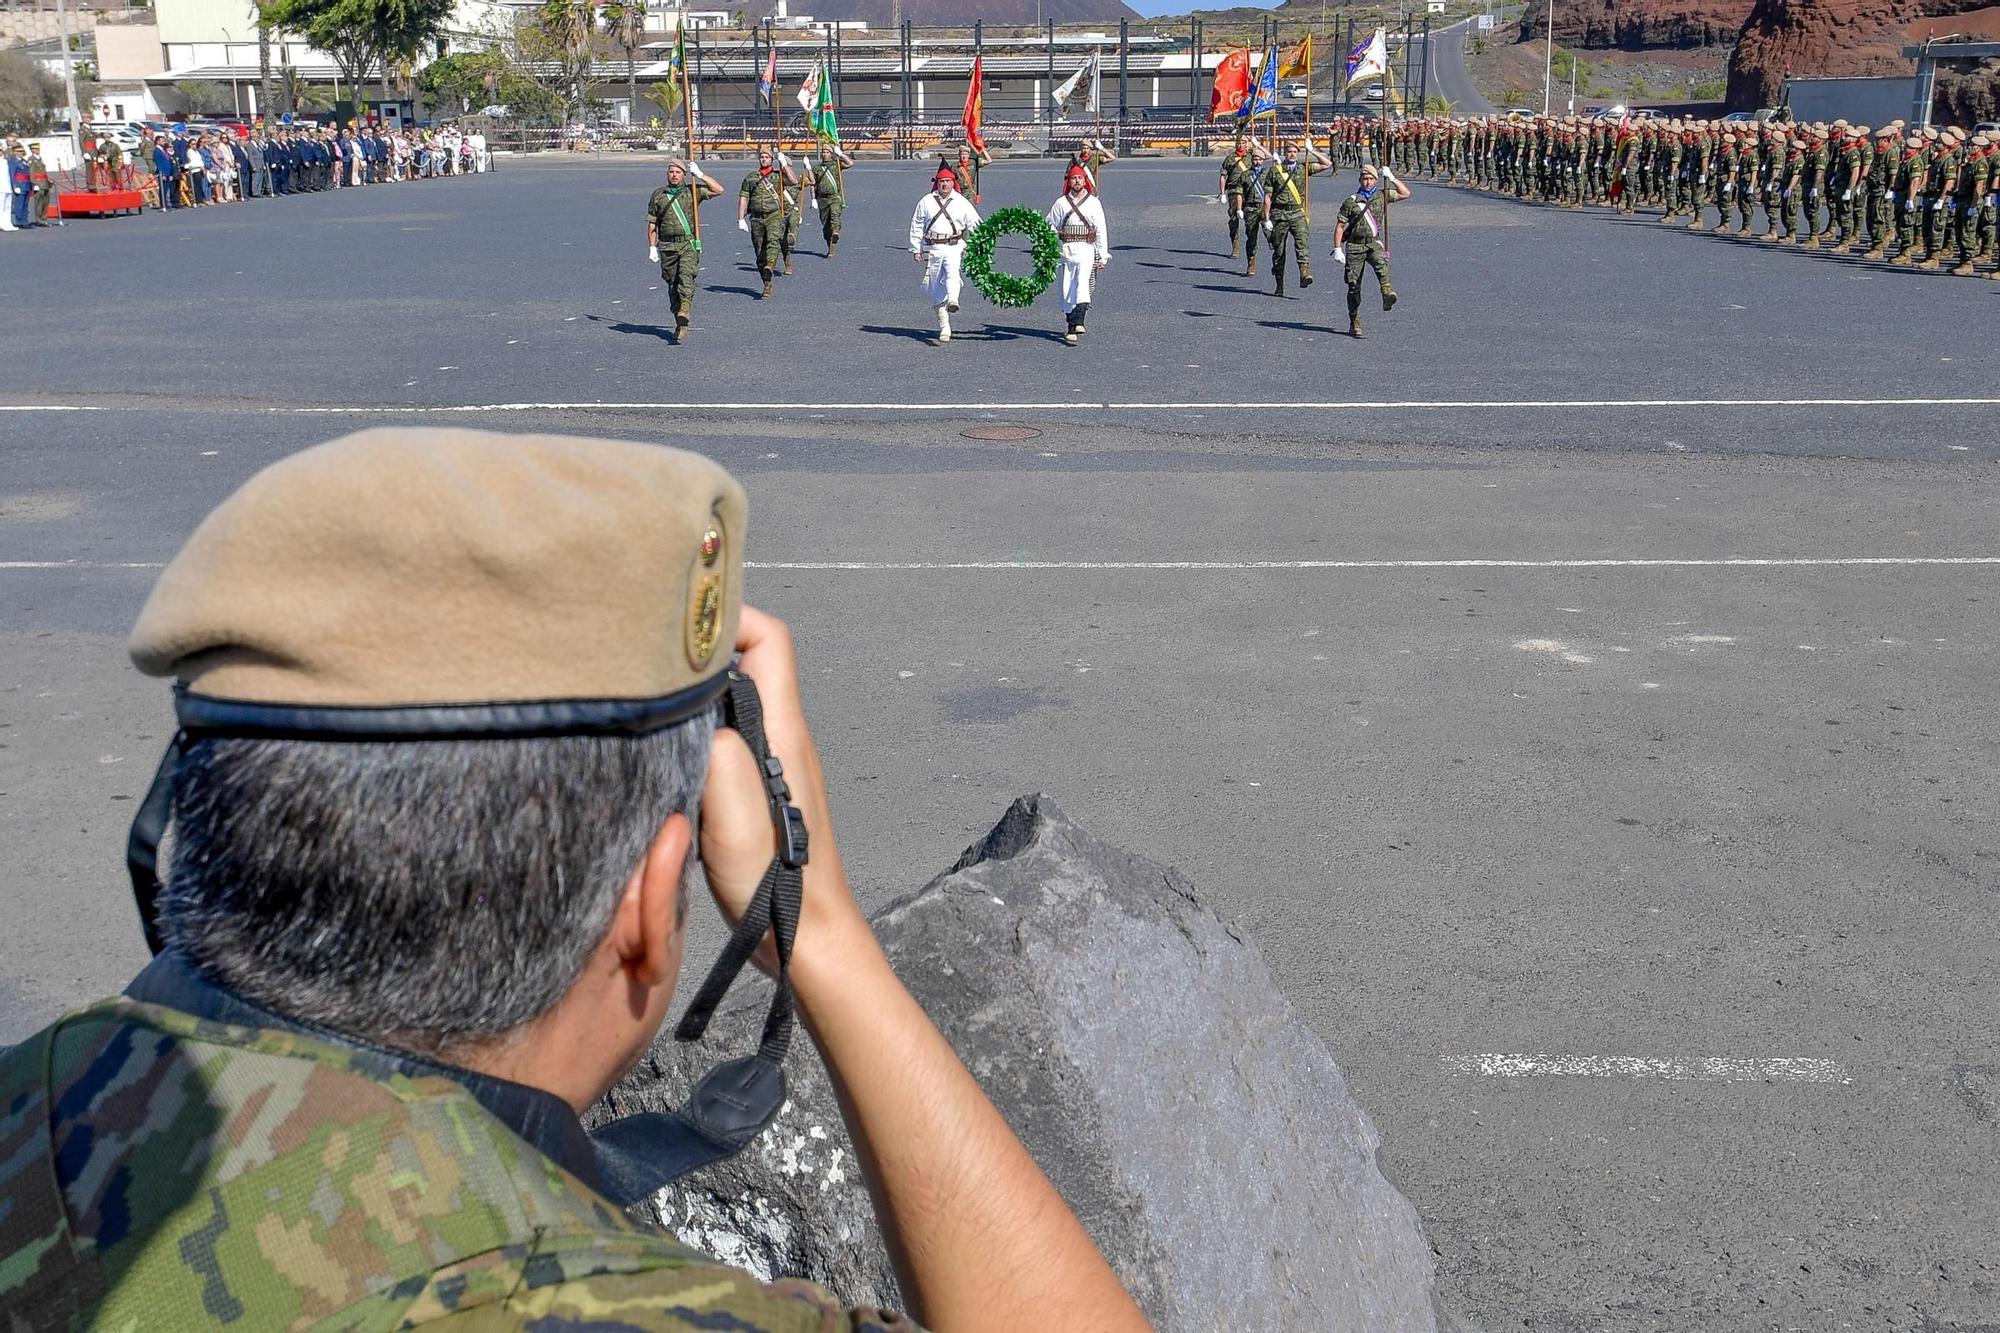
point(891, 566)
point(1714, 1069)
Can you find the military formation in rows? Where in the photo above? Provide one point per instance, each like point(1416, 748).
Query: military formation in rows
point(1927, 198)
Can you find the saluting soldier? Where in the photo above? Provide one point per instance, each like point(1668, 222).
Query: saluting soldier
point(1285, 209)
point(1078, 219)
point(671, 238)
point(966, 168)
point(761, 208)
point(830, 192)
point(1357, 240)
point(1091, 155)
point(944, 218)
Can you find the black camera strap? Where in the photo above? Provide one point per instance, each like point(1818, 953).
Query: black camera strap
point(739, 1098)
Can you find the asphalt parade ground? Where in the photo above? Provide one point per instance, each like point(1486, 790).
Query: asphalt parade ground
point(1580, 689)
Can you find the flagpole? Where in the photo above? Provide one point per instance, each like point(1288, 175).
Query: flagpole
point(687, 105)
point(1309, 123)
point(1383, 165)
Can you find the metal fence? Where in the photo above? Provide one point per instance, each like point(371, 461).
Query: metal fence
point(1162, 132)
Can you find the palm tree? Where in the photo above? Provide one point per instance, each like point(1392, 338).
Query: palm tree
point(264, 84)
point(568, 26)
point(625, 20)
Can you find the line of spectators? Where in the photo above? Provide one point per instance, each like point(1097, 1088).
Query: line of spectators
point(205, 168)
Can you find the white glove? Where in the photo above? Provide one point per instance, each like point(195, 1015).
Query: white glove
point(1239, 215)
point(743, 224)
point(1340, 254)
point(653, 253)
point(1936, 204)
point(1846, 195)
point(1267, 226)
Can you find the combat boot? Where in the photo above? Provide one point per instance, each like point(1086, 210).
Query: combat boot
point(788, 266)
point(1250, 269)
point(1389, 299)
point(1929, 264)
point(1354, 324)
point(1965, 270)
point(1902, 258)
point(1279, 290)
point(680, 332)
point(1874, 251)
point(1235, 248)
point(1770, 235)
point(1697, 225)
point(767, 286)
point(832, 246)
point(1305, 278)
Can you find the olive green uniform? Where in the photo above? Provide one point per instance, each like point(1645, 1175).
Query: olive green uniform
point(1284, 191)
point(1362, 223)
point(1239, 186)
point(831, 196)
point(672, 210)
point(767, 216)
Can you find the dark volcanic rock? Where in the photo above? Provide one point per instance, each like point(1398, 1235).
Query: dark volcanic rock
point(1824, 38)
point(1638, 25)
point(1142, 1051)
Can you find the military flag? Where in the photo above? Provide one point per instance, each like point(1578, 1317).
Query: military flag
point(1369, 59)
point(809, 89)
point(767, 82)
point(1062, 96)
point(1298, 61)
point(1264, 99)
point(1232, 85)
point(974, 109)
point(820, 111)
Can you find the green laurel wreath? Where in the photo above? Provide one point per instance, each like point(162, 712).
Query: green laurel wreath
point(1007, 290)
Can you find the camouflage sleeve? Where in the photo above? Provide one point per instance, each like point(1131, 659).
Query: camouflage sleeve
point(611, 1288)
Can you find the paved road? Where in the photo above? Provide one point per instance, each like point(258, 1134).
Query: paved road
point(1450, 76)
point(1643, 889)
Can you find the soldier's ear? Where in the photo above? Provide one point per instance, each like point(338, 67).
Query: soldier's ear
point(646, 930)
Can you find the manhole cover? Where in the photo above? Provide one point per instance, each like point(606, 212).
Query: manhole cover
point(1002, 433)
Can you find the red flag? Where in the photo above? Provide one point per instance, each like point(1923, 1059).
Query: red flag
point(1232, 85)
point(974, 109)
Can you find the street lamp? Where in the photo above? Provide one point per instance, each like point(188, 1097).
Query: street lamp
point(235, 90)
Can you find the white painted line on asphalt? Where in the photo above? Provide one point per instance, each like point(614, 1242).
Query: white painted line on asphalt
point(870, 566)
point(967, 408)
point(1803, 562)
point(1770, 1069)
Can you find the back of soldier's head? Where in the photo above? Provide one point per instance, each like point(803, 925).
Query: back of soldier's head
point(441, 689)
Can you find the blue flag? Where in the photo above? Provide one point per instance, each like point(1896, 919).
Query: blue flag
point(1264, 97)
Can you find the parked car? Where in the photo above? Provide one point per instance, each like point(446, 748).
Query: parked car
point(1295, 90)
point(1374, 92)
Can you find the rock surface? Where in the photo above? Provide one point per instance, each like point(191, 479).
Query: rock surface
point(1639, 25)
point(1142, 1051)
point(1825, 38)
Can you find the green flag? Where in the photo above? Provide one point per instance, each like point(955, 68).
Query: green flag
point(823, 122)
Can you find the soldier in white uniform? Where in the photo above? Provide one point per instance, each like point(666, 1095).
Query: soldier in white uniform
point(1078, 219)
point(944, 218)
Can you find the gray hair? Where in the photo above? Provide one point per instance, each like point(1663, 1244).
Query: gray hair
point(426, 895)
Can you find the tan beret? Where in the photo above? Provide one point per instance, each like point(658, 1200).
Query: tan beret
point(442, 566)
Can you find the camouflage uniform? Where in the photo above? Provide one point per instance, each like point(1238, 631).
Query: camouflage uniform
point(1284, 187)
point(672, 212)
point(159, 1169)
point(1239, 182)
point(768, 212)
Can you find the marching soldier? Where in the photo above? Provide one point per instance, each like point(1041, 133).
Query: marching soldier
point(966, 168)
point(1078, 219)
point(762, 208)
point(1091, 155)
point(1285, 209)
point(830, 192)
point(1357, 241)
point(944, 218)
point(1239, 182)
point(671, 239)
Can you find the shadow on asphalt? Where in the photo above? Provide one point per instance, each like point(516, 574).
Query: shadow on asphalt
point(1298, 327)
point(645, 330)
point(750, 292)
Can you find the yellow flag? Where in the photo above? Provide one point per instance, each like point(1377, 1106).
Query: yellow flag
point(1298, 60)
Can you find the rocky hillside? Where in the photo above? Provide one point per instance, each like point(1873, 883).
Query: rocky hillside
point(1833, 37)
point(1638, 25)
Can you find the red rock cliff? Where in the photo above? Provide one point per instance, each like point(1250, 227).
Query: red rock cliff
point(1635, 25)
